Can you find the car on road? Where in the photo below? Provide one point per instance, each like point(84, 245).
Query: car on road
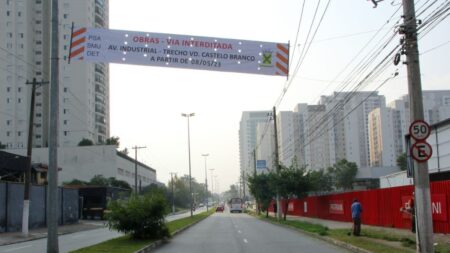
point(236, 205)
point(220, 209)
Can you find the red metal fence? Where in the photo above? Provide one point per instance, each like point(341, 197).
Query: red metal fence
point(381, 207)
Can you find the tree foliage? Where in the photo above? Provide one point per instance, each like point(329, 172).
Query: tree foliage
point(260, 189)
point(99, 180)
point(141, 216)
point(401, 161)
point(344, 173)
point(2, 146)
point(290, 182)
point(85, 142)
point(113, 140)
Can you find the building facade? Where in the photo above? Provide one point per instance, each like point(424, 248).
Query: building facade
point(249, 139)
point(85, 162)
point(25, 54)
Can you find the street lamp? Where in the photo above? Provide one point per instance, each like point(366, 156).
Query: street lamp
point(188, 115)
point(212, 185)
point(206, 182)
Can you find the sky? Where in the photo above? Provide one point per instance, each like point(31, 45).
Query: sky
point(146, 102)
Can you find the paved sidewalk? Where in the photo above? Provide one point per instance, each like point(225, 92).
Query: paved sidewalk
point(439, 238)
point(34, 234)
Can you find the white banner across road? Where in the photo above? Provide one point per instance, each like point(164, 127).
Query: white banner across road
point(179, 51)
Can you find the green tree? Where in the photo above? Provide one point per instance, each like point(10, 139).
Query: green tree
point(113, 140)
point(118, 183)
point(344, 173)
point(320, 180)
point(290, 182)
point(259, 187)
point(76, 182)
point(2, 146)
point(401, 161)
point(141, 216)
point(85, 142)
point(99, 180)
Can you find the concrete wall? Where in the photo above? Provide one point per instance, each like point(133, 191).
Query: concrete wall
point(11, 199)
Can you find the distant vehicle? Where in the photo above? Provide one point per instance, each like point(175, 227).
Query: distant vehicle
point(236, 205)
point(220, 209)
point(200, 205)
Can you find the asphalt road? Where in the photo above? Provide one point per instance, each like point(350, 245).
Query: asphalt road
point(75, 241)
point(225, 232)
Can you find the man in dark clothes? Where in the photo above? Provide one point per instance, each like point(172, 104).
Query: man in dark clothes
point(356, 217)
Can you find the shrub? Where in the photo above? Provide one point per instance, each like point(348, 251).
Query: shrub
point(140, 216)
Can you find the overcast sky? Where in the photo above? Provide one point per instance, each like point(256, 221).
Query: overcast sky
point(147, 102)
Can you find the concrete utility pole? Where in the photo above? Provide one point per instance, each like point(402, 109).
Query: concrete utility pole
point(135, 168)
point(424, 219)
point(52, 193)
point(188, 115)
point(173, 192)
point(26, 195)
point(254, 174)
point(277, 162)
point(206, 182)
point(212, 185)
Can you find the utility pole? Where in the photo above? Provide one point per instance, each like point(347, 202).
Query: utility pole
point(212, 185)
point(254, 174)
point(206, 182)
point(277, 162)
point(424, 221)
point(173, 192)
point(188, 115)
point(26, 195)
point(52, 193)
point(135, 168)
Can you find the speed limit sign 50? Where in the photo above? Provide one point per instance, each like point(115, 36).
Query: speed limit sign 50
point(419, 130)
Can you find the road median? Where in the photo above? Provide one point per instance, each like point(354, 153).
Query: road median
point(125, 244)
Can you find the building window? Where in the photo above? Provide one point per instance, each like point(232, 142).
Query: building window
point(19, 133)
point(7, 13)
point(19, 100)
point(19, 13)
point(65, 16)
point(8, 89)
point(8, 122)
point(8, 133)
point(65, 133)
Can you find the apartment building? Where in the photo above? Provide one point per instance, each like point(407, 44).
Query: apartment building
point(25, 54)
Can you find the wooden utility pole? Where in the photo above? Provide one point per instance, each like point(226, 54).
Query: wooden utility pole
point(135, 169)
point(424, 220)
point(26, 195)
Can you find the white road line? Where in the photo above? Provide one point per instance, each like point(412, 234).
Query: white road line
point(17, 248)
point(245, 240)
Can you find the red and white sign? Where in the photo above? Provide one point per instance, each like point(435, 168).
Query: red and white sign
point(419, 130)
point(336, 207)
point(179, 51)
point(421, 151)
point(438, 207)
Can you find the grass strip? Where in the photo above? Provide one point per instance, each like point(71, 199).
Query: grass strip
point(370, 239)
point(126, 244)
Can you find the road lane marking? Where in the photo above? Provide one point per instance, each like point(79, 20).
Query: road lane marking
point(17, 248)
point(245, 240)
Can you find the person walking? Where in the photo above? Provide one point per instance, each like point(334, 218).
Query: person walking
point(356, 217)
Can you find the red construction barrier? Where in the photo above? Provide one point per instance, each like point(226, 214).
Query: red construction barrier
point(381, 207)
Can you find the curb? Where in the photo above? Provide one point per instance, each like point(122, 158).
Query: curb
point(323, 238)
point(39, 236)
point(157, 243)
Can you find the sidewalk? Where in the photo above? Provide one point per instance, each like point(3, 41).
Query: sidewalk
point(439, 238)
point(34, 234)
